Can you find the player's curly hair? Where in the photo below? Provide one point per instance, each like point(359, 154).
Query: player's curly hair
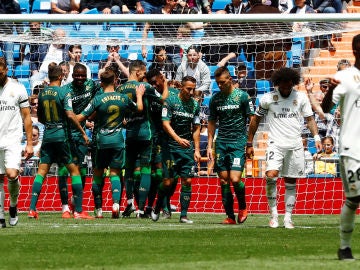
point(285, 75)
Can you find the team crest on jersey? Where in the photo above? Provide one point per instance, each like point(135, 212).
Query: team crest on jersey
point(357, 78)
point(275, 98)
point(295, 103)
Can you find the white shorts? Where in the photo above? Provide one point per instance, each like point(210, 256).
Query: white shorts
point(289, 163)
point(10, 158)
point(350, 174)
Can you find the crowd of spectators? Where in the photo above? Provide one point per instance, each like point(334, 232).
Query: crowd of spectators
point(175, 60)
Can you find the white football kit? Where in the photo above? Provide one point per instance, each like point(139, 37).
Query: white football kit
point(347, 95)
point(285, 116)
point(13, 97)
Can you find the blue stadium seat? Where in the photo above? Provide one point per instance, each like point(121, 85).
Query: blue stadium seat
point(96, 55)
point(24, 6)
point(26, 83)
point(41, 6)
point(94, 68)
point(82, 34)
point(22, 71)
point(10, 69)
point(219, 4)
point(232, 70)
point(206, 101)
point(214, 88)
point(212, 70)
point(262, 86)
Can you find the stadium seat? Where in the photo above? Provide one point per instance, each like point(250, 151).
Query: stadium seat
point(214, 88)
point(232, 70)
point(26, 83)
point(82, 34)
point(219, 5)
point(24, 6)
point(22, 71)
point(10, 69)
point(262, 86)
point(41, 6)
point(94, 68)
point(96, 55)
point(212, 70)
point(206, 101)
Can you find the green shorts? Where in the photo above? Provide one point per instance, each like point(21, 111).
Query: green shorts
point(178, 162)
point(78, 150)
point(55, 152)
point(110, 157)
point(229, 156)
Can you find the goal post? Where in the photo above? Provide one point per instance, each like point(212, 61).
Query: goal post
point(307, 53)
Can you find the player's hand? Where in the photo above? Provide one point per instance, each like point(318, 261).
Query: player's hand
point(28, 152)
point(184, 143)
point(309, 85)
point(140, 90)
point(318, 146)
point(209, 153)
point(249, 152)
point(86, 139)
point(333, 83)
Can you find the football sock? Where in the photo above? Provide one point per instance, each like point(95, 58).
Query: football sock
point(77, 192)
point(2, 199)
point(290, 198)
point(36, 189)
point(62, 183)
point(83, 172)
point(271, 193)
point(115, 188)
point(347, 223)
point(185, 197)
point(137, 180)
point(239, 188)
point(14, 189)
point(144, 186)
point(129, 188)
point(228, 200)
point(156, 179)
point(97, 185)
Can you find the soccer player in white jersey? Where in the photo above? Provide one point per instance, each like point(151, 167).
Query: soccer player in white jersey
point(14, 111)
point(347, 94)
point(285, 109)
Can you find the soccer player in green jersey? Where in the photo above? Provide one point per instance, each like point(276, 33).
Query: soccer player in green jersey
point(82, 91)
point(181, 122)
point(55, 108)
point(110, 108)
point(139, 134)
point(159, 82)
point(231, 108)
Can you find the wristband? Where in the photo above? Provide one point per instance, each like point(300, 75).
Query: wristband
point(317, 138)
point(249, 144)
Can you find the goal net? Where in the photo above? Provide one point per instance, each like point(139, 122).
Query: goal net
point(312, 44)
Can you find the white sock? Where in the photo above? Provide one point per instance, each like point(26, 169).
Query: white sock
point(65, 208)
point(290, 198)
point(347, 223)
point(14, 189)
point(271, 194)
point(2, 199)
point(130, 201)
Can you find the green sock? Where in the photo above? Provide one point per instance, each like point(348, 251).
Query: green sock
point(97, 186)
point(83, 172)
point(185, 197)
point(239, 189)
point(36, 189)
point(129, 188)
point(144, 186)
point(62, 183)
point(137, 180)
point(77, 192)
point(156, 179)
point(115, 188)
point(162, 192)
point(228, 200)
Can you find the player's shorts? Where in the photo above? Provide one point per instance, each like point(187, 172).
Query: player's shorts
point(140, 150)
point(110, 157)
point(350, 174)
point(178, 162)
point(156, 156)
point(229, 157)
point(55, 152)
point(289, 163)
point(78, 150)
point(10, 158)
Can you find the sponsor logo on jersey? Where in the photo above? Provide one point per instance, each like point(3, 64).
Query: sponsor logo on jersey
point(295, 102)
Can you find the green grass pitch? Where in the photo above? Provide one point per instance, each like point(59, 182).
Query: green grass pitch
point(53, 243)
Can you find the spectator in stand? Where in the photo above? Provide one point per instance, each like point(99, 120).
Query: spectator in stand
point(269, 55)
point(31, 164)
point(162, 63)
point(116, 63)
point(196, 68)
point(34, 103)
point(151, 6)
point(104, 7)
point(309, 163)
point(343, 64)
point(75, 53)
point(322, 166)
point(65, 67)
point(9, 7)
point(236, 7)
point(65, 6)
point(55, 53)
point(244, 82)
point(134, 6)
point(333, 127)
